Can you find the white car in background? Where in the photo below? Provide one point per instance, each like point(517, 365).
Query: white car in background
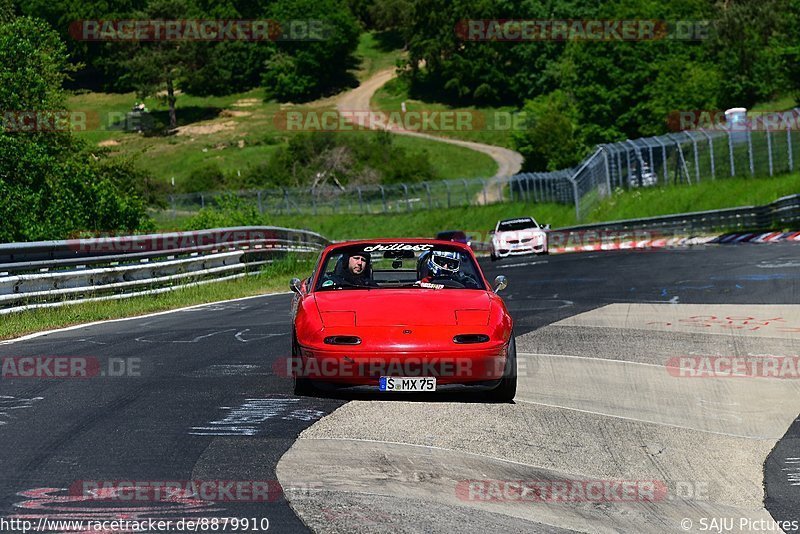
point(516, 237)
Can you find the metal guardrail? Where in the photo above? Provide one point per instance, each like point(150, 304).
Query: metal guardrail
point(782, 212)
point(55, 273)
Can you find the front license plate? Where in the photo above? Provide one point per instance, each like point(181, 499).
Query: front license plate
point(402, 383)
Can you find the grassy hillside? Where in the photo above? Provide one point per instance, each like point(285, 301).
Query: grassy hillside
point(235, 131)
point(241, 130)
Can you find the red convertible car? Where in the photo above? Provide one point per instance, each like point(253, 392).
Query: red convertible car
point(402, 315)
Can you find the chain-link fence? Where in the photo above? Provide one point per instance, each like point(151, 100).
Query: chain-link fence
point(764, 147)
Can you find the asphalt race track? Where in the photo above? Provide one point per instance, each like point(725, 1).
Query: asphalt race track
point(202, 394)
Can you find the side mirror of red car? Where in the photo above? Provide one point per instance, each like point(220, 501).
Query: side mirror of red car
point(500, 283)
point(294, 285)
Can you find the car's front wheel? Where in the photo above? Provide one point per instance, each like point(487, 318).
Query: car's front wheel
point(302, 386)
point(507, 389)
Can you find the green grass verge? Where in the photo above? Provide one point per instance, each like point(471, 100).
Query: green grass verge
point(707, 195)
point(272, 279)
point(424, 223)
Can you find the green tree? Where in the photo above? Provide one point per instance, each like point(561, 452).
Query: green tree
point(550, 140)
point(156, 66)
point(747, 41)
point(7, 11)
point(50, 183)
point(306, 69)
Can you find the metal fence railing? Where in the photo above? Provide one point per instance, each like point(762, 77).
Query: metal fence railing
point(54, 273)
point(762, 147)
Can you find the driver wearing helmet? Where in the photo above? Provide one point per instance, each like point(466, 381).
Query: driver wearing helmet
point(444, 265)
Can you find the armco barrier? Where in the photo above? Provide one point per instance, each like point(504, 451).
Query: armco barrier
point(783, 212)
point(666, 230)
point(55, 273)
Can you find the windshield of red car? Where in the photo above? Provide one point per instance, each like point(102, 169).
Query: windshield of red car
point(399, 265)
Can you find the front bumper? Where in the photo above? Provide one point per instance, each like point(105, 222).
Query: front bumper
point(468, 366)
point(503, 251)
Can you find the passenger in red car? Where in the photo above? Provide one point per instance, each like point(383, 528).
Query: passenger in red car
point(355, 269)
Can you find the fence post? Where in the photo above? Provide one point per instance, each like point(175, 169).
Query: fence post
point(637, 155)
point(710, 153)
point(408, 202)
point(664, 159)
point(750, 150)
point(466, 191)
point(769, 150)
point(682, 159)
point(383, 196)
point(447, 188)
point(577, 199)
point(360, 200)
point(696, 157)
point(730, 153)
point(428, 190)
point(286, 200)
point(528, 183)
point(789, 147)
point(314, 200)
point(628, 158)
point(260, 206)
point(202, 201)
point(608, 171)
point(172, 204)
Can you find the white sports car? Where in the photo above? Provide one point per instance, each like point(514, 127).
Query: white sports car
point(515, 237)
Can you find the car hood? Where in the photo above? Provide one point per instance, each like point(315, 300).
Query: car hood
point(401, 307)
point(528, 233)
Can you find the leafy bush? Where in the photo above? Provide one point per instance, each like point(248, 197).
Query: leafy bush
point(551, 140)
point(207, 178)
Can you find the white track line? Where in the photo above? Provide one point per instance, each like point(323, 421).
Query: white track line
point(155, 314)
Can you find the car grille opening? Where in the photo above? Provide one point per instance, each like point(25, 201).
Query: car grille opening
point(462, 339)
point(342, 340)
